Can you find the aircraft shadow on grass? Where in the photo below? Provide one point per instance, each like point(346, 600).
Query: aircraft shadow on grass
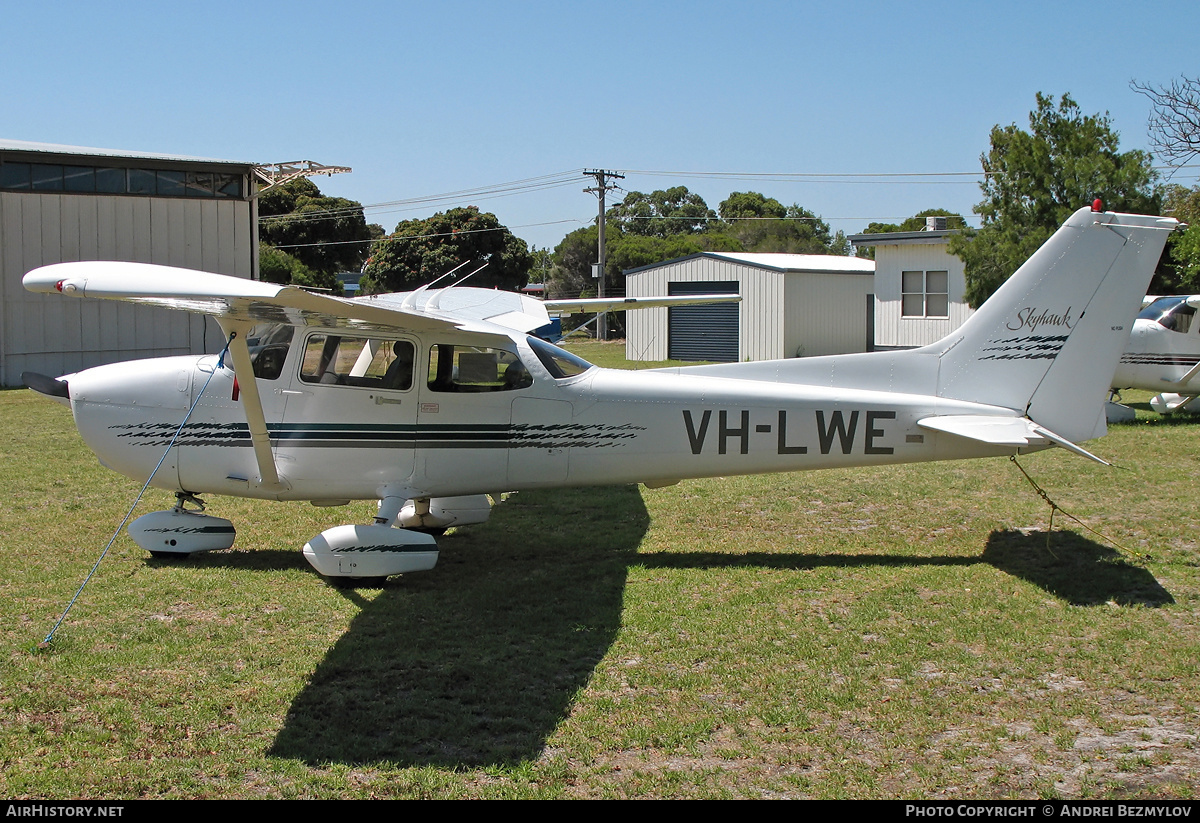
point(1074, 568)
point(470, 667)
point(479, 662)
point(1070, 566)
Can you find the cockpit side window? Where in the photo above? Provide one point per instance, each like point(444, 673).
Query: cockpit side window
point(269, 344)
point(358, 361)
point(1179, 320)
point(455, 368)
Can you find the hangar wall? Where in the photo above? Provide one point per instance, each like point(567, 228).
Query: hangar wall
point(792, 304)
point(56, 336)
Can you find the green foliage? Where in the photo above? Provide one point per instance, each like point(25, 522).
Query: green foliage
point(277, 266)
point(748, 205)
point(571, 264)
point(661, 213)
point(326, 234)
point(1034, 180)
point(1180, 272)
point(664, 225)
point(954, 220)
point(419, 251)
point(790, 230)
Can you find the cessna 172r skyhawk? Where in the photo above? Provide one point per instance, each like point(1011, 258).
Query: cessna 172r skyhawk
point(428, 401)
point(1163, 354)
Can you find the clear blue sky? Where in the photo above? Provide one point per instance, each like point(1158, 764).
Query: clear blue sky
point(429, 98)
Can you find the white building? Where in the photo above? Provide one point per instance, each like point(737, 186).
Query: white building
point(793, 305)
point(919, 287)
point(65, 203)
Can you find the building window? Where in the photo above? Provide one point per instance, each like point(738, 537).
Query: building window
point(924, 294)
point(22, 176)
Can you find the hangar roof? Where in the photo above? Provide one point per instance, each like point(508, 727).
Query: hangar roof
point(903, 238)
point(781, 262)
point(83, 151)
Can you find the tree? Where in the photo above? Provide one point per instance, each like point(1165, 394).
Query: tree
point(661, 213)
point(1180, 270)
point(419, 251)
point(954, 220)
point(750, 205)
point(763, 224)
point(277, 266)
point(1174, 118)
point(1034, 180)
point(637, 235)
point(571, 264)
point(327, 235)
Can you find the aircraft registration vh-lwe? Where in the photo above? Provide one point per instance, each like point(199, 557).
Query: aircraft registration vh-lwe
point(434, 402)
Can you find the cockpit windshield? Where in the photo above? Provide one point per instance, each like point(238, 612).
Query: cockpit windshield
point(558, 362)
point(1171, 313)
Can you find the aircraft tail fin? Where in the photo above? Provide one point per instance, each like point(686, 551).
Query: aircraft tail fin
point(1047, 342)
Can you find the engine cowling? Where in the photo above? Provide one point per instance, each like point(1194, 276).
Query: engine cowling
point(178, 531)
point(370, 551)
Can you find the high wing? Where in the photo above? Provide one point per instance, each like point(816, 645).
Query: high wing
point(599, 304)
point(238, 299)
point(251, 301)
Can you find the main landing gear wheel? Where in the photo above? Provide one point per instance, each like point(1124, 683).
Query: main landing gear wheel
point(178, 532)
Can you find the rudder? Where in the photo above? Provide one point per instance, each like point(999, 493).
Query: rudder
point(1046, 344)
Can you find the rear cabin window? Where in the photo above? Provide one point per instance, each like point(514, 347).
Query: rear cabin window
point(476, 369)
point(358, 361)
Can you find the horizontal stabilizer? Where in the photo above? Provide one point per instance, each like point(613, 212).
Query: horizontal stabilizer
point(997, 431)
point(1002, 431)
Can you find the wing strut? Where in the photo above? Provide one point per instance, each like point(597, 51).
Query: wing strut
point(243, 369)
point(1183, 381)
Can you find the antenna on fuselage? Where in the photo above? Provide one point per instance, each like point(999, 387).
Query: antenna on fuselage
point(433, 304)
point(412, 296)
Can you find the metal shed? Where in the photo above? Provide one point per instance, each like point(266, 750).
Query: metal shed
point(793, 305)
point(68, 203)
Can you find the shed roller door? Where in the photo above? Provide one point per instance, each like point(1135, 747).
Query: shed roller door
point(708, 332)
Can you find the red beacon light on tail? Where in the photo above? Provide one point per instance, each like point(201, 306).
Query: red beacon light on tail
point(1097, 205)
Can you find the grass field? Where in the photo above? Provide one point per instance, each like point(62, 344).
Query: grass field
point(907, 632)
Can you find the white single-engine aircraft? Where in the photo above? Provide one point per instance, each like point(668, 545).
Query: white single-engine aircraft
point(431, 400)
point(1163, 354)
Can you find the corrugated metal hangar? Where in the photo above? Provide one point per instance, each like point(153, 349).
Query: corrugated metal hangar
point(66, 203)
point(793, 305)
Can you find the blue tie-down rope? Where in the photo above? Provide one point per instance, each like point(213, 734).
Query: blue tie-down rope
point(45, 644)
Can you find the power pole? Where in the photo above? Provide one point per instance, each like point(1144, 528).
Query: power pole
point(601, 188)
